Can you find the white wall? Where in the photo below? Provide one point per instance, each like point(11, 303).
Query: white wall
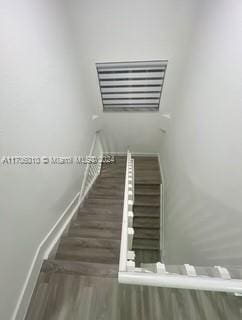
point(202, 150)
point(42, 112)
point(128, 30)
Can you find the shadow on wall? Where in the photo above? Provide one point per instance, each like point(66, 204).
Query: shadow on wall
point(202, 231)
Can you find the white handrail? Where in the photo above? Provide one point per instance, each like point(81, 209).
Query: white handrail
point(127, 207)
point(93, 168)
point(181, 281)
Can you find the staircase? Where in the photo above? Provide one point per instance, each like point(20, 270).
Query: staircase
point(79, 281)
point(146, 243)
point(93, 242)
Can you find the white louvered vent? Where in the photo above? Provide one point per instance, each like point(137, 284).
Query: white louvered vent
point(131, 86)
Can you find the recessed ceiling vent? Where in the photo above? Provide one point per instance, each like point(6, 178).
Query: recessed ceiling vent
point(131, 86)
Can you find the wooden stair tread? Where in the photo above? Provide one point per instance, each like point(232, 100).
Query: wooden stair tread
point(146, 222)
point(100, 216)
point(100, 255)
point(80, 268)
point(96, 210)
point(95, 233)
point(148, 211)
point(143, 233)
point(148, 244)
point(90, 242)
point(93, 223)
point(147, 189)
point(103, 202)
point(147, 200)
point(115, 216)
point(146, 256)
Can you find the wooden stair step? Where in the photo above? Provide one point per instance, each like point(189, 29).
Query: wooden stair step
point(146, 211)
point(103, 202)
point(92, 223)
point(144, 233)
point(106, 195)
point(106, 204)
point(114, 175)
point(143, 180)
point(108, 188)
point(147, 189)
point(146, 244)
point(115, 210)
point(114, 169)
point(146, 256)
point(98, 255)
point(146, 222)
point(82, 242)
point(147, 200)
point(100, 216)
point(80, 268)
point(95, 233)
point(110, 180)
point(145, 159)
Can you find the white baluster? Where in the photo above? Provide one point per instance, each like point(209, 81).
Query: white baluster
point(223, 272)
point(131, 255)
point(130, 238)
point(190, 270)
point(130, 218)
point(130, 266)
point(130, 195)
point(130, 205)
point(160, 268)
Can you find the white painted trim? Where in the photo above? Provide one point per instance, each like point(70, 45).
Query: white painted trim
point(181, 281)
point(162, 212)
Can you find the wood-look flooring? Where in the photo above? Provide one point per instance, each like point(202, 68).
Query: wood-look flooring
point(80, 281)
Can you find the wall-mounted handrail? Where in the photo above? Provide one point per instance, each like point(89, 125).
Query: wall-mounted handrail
point(93, 168)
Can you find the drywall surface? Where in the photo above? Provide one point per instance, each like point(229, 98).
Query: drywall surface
point(202, 149)
point(42, 113)
point(137, 30)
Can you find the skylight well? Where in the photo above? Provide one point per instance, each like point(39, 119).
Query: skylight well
point(131, 86)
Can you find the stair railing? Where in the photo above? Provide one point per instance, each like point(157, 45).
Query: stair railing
point(223, 281)
point(127, 256)
point(93, 165)
point(158, 274)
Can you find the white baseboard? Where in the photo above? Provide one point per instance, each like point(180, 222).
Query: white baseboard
point(44, 250)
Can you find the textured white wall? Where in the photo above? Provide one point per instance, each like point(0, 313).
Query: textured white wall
point(42, 112)
point(202, 150)
point(108, 31)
